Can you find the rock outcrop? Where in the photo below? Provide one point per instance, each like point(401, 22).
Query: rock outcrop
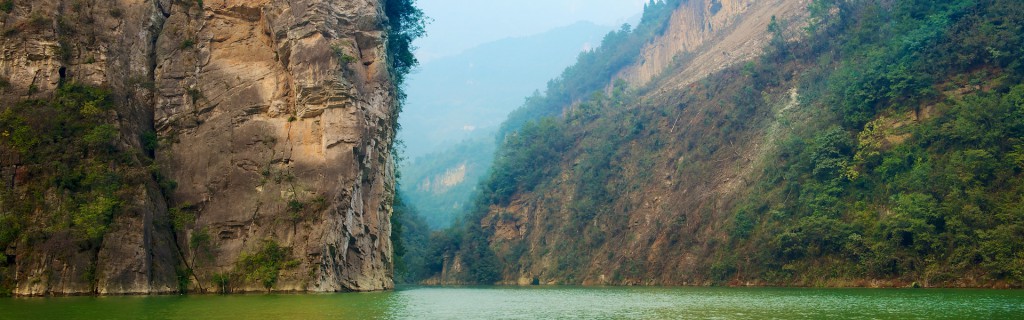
point(107, 44)
point(709, 35)
point(274, 121)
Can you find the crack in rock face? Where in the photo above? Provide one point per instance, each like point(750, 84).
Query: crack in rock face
point(273, 121)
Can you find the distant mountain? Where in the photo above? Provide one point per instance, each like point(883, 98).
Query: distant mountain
point(441, 184)
point(449, 99)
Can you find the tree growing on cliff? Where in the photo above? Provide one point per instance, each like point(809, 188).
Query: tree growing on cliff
point(406, 23)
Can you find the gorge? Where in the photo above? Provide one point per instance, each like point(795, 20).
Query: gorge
point(152, 147)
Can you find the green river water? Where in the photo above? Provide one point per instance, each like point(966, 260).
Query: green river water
point(542, 303)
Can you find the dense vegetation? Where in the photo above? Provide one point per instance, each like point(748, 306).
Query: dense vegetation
point(409, 235)
point(531, 141)
point(67, 171)
point(919, 173)
point(264, 265)
point(902, 161)
point(594, 69)
point(405, 24)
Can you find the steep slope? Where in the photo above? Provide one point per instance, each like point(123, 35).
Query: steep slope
point(598, 207)
point(456, 103)
point(849, 153)
point(458, 97)
point(708, 36)
point(250, 150)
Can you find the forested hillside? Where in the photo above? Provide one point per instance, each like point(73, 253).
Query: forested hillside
point(467, 95)
point(456, 105)
point(879, 143)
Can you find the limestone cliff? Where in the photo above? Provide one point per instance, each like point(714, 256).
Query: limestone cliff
point(109, 44)
point(709, 35)
point(274, 125)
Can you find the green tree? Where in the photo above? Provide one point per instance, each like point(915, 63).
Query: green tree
point(406, 23)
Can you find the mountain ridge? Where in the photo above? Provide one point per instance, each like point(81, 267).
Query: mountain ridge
point(809, 165)
point(454, 97)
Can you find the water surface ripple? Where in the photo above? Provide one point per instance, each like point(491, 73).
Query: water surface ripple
point(543, 303)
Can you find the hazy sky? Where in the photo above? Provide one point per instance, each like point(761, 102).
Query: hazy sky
point(458, 25)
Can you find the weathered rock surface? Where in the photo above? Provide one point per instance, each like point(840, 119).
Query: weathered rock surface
point(278, 134)
point(275, 121)
point(108, 44)
point(710, 35)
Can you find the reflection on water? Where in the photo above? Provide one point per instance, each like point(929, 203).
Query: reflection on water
point(542, 302)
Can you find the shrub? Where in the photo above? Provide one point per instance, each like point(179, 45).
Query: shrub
point(406, 23)
point(264, 265)
point(181, 217)
point(195, 94)
point(7, 6)
point(150, 142)
point(68, 145)
point(200, 245)
point(222, 281)
point(341, 55)
point(101, 136)
point(93, 217)
point(183, 274)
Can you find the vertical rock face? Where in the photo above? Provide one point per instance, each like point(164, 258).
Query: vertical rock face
point(274, 120)
point(99, 43)
point(278, 116)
